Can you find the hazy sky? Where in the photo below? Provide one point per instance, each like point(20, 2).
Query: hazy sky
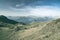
point(30, 7)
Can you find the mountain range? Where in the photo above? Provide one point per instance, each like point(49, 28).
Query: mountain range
point(30, 19)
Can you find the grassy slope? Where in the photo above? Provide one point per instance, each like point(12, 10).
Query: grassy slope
point(11, 34)
point(34, 31)
point(49, 31)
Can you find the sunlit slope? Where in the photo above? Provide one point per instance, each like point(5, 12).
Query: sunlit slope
point(49, 31)
point(18, 32)
point(34, 31)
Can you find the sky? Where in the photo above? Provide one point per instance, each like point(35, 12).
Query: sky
point(30, 8)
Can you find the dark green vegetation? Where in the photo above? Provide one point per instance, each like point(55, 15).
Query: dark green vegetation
point(6, 20)
point(33, 31)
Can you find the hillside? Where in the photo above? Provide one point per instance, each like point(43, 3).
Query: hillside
point(48, 31)
point(34, 31)
point(6, 20)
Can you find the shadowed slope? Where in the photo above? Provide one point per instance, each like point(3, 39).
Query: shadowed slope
point(6, 20)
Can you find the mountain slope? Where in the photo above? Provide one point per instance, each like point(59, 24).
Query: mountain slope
point(49, 31)
point(6, 20)
point(38, 31)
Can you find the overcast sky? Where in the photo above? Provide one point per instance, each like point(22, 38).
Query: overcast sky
point(30, 7)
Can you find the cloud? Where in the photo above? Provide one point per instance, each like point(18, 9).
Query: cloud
point(30, 7)
point(23, 3)
point(45, 11)
point(33, 11)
